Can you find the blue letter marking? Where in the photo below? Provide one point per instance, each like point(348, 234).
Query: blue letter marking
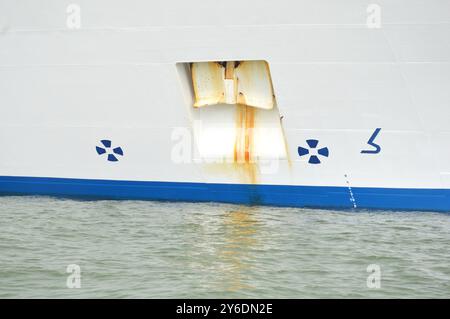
point(371, 143)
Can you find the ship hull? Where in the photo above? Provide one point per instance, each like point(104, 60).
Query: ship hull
point(274, 195)
point(96, 102)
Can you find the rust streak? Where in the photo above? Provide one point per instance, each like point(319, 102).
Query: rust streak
point(229, 71)
point(239, 125)
point(249, 125)
point(244, 143)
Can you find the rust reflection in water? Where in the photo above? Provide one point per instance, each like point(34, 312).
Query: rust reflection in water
point(236, 255)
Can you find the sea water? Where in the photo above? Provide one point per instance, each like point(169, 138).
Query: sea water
point(62, 248)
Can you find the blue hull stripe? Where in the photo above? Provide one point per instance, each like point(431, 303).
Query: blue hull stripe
point(276, 195)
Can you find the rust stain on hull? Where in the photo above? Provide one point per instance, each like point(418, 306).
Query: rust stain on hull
point(233, 82)
point(244, 144)
point(207, 83)
point(247, 85)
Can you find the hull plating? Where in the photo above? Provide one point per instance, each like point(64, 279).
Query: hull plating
point(102, 108)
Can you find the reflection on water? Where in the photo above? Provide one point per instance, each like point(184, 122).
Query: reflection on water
point(240, 237)
point(135, 249)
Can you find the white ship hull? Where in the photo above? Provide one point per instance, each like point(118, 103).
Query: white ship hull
point(118, 76)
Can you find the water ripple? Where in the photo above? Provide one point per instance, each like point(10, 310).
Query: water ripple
point(130, 249)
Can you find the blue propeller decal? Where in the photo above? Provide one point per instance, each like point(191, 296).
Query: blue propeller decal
point(106, 149)
point(312, 144)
